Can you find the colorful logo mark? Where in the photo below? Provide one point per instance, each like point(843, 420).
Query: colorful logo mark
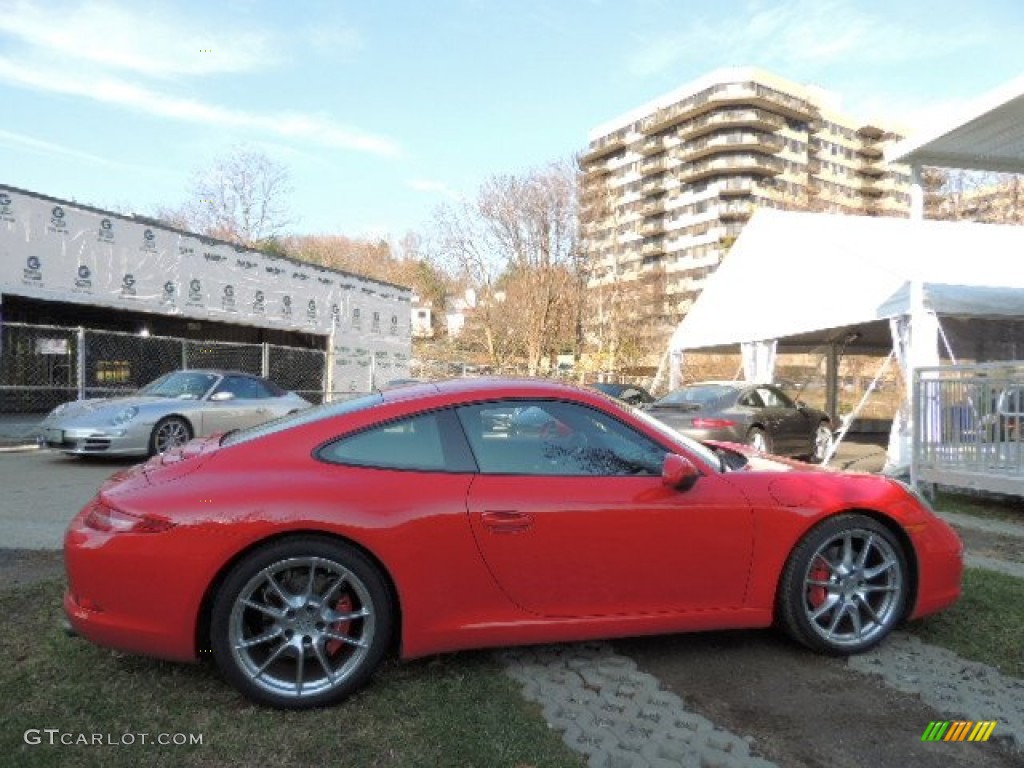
point(958, 730)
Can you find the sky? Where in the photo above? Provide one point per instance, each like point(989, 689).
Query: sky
point(383, 111)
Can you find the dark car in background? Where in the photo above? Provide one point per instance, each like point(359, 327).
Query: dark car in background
point(627, 393)
point(760, 415)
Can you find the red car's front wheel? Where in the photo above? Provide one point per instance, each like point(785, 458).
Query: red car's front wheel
point(301, 623)
point(845, 585)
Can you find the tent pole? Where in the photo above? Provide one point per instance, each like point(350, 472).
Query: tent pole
point(832, 382)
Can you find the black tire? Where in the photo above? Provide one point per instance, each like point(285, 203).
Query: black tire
point(844, 587)
point(759, 439)
point(324, 625)
point(169, 432)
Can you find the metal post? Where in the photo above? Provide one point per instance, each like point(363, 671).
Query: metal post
point(832, 383)
point(81, 363)
point(329, 368)
point(265, 361)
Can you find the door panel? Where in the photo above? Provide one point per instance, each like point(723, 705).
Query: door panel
point(599, 546)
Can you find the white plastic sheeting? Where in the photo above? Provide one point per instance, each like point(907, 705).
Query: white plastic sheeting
point(58, 251)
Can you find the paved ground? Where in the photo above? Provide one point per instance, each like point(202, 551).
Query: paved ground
point(42, 491)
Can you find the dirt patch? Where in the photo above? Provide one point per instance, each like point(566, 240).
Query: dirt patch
point(994, 545)
point(23, 567)
point(803, 710)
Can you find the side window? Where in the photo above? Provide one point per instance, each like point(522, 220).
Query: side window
point(429, 442)
point(239, 386)
point(555, 438)
point(751, 399)
point(773, 398)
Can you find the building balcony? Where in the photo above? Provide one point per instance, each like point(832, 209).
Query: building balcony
point(652, 246)
point(654, 226)
point(873, 170)
point(653, 185)
point(747, 94)
point(736, 187)
point(603, 147)
point(871, 151)
point(760, 165)
point(651, 145)
point(654, 164)
point(734, 141)
point(653, 205)
point(736, 211)
point(755, 119)
point(870, 132)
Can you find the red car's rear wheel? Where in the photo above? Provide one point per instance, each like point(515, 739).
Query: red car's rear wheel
point(301, 623)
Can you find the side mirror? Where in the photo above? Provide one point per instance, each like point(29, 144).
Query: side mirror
point(220, 397)
point(678, 472)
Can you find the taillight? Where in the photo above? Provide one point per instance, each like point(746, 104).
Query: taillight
point(105, 518)
point(701, 423)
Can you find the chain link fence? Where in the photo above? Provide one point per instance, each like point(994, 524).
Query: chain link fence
point(43, 366)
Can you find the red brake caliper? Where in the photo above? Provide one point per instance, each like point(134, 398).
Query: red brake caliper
point(344, 605)
point(816, 595)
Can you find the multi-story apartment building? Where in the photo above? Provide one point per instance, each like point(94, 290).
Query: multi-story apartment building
point(667, 187)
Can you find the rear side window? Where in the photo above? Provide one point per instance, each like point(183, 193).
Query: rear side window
point(428, 442)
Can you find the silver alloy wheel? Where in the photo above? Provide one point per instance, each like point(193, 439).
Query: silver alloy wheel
point(301, 627)
point(170, 433)
point(822, 442)
point(853, 588)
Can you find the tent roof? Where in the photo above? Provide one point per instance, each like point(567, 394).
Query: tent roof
point(987, 137)
point(812, 278)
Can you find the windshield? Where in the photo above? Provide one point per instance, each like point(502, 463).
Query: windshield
point(691, 445)
point(698, 395)
point(308, 416)
point(183, 385)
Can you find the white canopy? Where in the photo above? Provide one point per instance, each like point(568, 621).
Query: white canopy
point(810, 278)
point(987, 136)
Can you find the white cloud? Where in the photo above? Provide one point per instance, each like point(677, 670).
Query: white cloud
point(150, 42)
point(23, 143)
point(111, 90)
point(801, 35)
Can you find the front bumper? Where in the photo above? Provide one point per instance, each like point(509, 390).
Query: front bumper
point(96, 441)
point(940, 564)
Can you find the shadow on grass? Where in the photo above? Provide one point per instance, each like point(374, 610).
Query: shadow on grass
point(455, 710)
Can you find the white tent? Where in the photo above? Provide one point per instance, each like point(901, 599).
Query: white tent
point(802, 280)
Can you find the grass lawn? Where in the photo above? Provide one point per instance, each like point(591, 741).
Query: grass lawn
point(987, 624)
point(457, 710)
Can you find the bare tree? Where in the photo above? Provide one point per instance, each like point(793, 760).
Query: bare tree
point(516, 245)
point(241, 197)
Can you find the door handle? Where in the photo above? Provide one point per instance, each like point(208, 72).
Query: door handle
point(506, 521)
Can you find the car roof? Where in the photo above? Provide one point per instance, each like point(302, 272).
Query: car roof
point(485, 387)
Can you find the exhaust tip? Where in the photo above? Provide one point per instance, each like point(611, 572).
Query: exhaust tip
point(67, 629)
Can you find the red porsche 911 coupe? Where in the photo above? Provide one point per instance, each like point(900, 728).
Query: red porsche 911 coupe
point(473, 513)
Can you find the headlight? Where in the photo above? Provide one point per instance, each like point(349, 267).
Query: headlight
point(125, 415)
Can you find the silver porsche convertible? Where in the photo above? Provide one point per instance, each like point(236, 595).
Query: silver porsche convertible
point(166, 413)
